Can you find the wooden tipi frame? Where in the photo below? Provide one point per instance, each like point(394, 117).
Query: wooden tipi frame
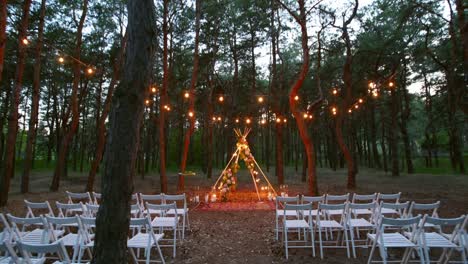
point(242, 136)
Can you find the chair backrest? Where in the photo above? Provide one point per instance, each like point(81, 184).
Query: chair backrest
point(7, 232)
point(411, 223)
point(455, 226)
point(57, 223)
point(92, 209)
point(69, 209)
point(401, 208)
point(79, 197)
point(21, 224)
point(337, 198)
point(368, 198)
point(163, 208)
point(313, 199)
point(169, 198)
point(280, 201)
point(85, 229)
point(430, 208)
point(303, 210)
point(97, 197)
point(153, 198)
point(394, 197)
point(361, 206)
point(323, 207)
point(57, 247)
point(135, 210)
point(43, 208)
point(143, 224)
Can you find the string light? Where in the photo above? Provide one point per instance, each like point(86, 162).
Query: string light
point(372, 85)
point(90, 70)
point(190, 114)
point(356, 106)
point(61, 59)
point(306, 115)
point(263, 122)
point(221, 98)
point(154, 89)
point(334, 110)
point(334, 91)
point(186, 95)
point(248, 121)
point(214, 118)
point(167, 107)
point(147, 102)
point(278, 120)
point(311, 116)
point(391, 84)
point(360, 100)
point(285, 120)
point(296, 98)
point(375, 94)
point(237, 120)
point(260, 99)
point(25, 41)
point(350, 111)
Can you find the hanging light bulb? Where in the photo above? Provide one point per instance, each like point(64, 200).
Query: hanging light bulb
point(25, 41)
point(356, 106)
point(306, 115)
point(260, 99)
point(296, 98)
point(335, 91)
point(186, 95)
point(190, 114)
point(285, 120)
point(360, 100)
point(214, 118)
point(147, 101)
point(237, 120)
point(350, 111)
point(263, 122)
point(154, 89)
point(221, 98)
point(90, 70)
point(278, 120)
point(391, 84)
point(219, 118)
point(310, 116)
point(61, 59)
point(248, 121)
point(334, 110)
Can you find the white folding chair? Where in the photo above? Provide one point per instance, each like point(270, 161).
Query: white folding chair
point(144, 240)
point(332, 226)
point(366, 199)
point(165, 222)
point(280, 213)
point(301, 224)
point(388, 198)
point(423, 209)
point(57, 248)
point(29, 230)
point(442, 240)
point(355, 223)
point(37, 209)
point(70, 239)
point(70, 209)
point(182, 211)
point(7, 232)
point(79, 197)
point(152, 199)
point(386, 240)
point(91, 209)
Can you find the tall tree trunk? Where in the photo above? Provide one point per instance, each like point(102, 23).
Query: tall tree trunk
point(101, 128)
point(405, 114)
point(113, 217)
point(34, 104)
point(68, 135)
point(193, 83)
point(163, 101)
point(8, 168)
point(347, 79)
point(462, 6)
point(293, 103)
point(393, 137)
point(3, 39)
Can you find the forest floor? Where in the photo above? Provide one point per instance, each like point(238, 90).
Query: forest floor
point(246, 234)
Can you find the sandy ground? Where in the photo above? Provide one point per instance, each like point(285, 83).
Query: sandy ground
point(248, 236)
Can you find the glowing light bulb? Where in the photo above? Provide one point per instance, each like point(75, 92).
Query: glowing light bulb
point(191, 114)
point(237, 120)
point(248, 121)
point(186, 94)
point(360, 100)
point(90, 70)
point(214, 118)
point(371, 84)
point(391, 84)
point(25, 41)
point(334, 91)
point(296, 98)
point(221, 98)
point(278, 120)
point(310, 116)
point(356, 106)
point(260, 99)
point(350, 111)
point(375, 94)
point(61, 59)
point(219, 118)
point(154, 89)
point(263, 121)
point(306, 115)
point(147, 102)
point(285, 120)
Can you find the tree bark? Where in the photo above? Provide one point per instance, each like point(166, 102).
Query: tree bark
point(8, 168)
point(36, 93)
point(393, 140)
point(193, 83)
point(101, 127)
point(3, 39)
point(405, 115)
point(68, 135)
point(113, 217)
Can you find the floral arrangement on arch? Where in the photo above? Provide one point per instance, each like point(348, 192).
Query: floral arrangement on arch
point(228, 180)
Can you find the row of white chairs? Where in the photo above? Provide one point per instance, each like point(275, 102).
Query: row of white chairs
point(333, 199)
point(139, 201)
point(325, 220)
point(76, 233)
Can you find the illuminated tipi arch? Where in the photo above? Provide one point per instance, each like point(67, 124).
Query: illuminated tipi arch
point(227, 181)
